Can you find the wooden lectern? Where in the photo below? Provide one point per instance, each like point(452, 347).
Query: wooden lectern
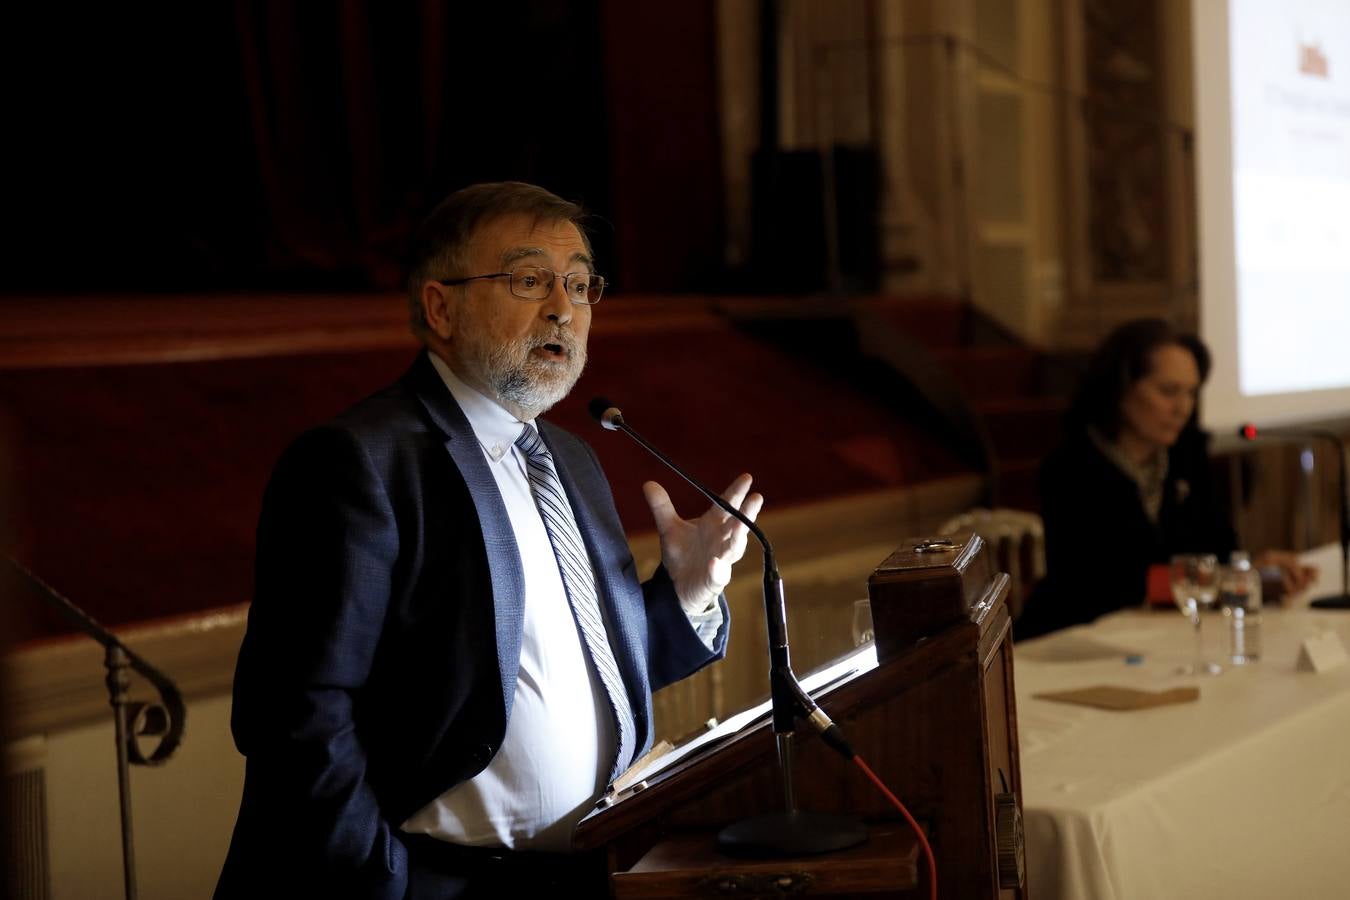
point(932, 712)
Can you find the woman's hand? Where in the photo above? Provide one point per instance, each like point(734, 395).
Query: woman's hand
point(1294, 575)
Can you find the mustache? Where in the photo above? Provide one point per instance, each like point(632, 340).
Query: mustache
point(559, 336)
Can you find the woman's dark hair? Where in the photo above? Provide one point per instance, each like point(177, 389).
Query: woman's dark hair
point(1124, 357)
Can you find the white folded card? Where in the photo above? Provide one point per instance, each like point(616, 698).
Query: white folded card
point(1321, 653)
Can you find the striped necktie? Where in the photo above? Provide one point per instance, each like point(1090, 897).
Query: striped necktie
point(579, 583)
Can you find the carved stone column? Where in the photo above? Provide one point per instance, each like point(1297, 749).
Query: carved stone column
point(1128, 137)
point(911, 232)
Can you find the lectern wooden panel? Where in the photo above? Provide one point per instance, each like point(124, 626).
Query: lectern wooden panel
point(933, 713)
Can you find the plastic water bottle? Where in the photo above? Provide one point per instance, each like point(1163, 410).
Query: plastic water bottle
point(1240, 600)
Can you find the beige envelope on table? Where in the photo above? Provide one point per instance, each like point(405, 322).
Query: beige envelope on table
point(1106, 696)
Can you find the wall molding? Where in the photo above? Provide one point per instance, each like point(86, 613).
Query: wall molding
point(58, 684)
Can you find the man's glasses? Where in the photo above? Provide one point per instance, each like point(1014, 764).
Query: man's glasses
point(535, 283)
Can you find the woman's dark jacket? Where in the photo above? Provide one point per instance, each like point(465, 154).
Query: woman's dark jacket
point(1099, 542)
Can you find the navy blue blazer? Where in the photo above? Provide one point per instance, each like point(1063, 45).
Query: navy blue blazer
point(380, 659)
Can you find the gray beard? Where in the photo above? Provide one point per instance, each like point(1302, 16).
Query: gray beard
point(531, 385)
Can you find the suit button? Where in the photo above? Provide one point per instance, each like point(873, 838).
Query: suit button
point(483, 755)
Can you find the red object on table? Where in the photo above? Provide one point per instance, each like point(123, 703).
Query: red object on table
point(1159, 591)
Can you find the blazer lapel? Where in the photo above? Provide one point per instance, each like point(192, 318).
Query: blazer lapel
point(503, 556)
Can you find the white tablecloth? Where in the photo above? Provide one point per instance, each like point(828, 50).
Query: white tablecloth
point(1243, 793)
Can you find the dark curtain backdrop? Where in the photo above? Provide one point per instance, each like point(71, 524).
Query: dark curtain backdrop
point(242, 146)
point(287, 145)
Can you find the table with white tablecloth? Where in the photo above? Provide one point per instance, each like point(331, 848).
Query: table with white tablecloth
point(1242, 793)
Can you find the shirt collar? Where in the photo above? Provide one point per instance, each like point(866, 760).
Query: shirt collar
point(495, 428)
point(1150, 475)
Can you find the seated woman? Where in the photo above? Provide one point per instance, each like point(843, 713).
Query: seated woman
point(1130, 485)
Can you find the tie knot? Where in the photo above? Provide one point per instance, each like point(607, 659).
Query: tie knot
point(530, 443)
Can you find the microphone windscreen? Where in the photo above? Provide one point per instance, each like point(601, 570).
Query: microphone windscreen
point(597, 408)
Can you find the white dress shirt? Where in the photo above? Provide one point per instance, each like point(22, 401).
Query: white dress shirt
point(560, 738)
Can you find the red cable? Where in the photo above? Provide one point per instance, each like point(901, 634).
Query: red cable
point(923, 839)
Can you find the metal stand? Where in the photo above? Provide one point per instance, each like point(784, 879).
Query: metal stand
point(791, 832)
point(1341, 600)
point(1250, 432)
point(118, 683)
point(131, 720)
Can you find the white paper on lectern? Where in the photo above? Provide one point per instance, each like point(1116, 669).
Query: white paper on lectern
point(861, 660)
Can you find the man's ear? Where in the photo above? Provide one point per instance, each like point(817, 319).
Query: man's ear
point(436, 302)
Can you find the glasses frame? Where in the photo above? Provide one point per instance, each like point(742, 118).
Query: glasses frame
point(566, 280)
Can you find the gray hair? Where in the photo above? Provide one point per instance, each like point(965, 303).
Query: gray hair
point(441, 246)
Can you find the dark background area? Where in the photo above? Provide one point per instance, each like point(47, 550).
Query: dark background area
point(257, 146)
point(195, 152)
point(176, 173)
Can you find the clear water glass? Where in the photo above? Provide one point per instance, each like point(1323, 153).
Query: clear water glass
point(1195, 586)
point(862, 621)
point(1240, 600)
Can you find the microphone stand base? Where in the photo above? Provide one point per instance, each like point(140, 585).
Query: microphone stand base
point(790, 834)
point(1333, 601)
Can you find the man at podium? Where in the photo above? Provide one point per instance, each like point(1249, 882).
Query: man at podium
point(449, 654)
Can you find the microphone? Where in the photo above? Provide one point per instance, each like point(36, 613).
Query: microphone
point(1249, 432)
point(793, 831)
point(789, 698)
point(608, 415)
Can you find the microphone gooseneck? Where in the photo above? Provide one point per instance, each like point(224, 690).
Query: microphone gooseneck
point(791, 831)
point(1250, 432)
point(789, 698)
